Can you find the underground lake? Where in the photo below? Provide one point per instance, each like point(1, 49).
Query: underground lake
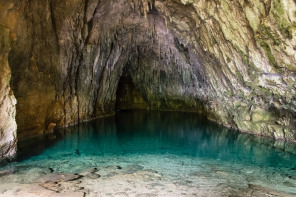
point(151, 153)
point(143, 98)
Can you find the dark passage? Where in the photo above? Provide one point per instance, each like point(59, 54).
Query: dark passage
point(127, 95)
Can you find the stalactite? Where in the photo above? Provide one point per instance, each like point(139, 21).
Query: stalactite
point(146, 7)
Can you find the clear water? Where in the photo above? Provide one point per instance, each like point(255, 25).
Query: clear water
point(181, 146)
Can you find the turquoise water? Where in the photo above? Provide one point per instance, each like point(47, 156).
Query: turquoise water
point(179, 145)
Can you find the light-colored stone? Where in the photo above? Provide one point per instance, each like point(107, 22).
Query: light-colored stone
point(8, 125)
point(57, 178)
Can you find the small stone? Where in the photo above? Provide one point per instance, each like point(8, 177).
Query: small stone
point(289, 184)
point(94, 170)
point(51, 186)
point(86, 172)
point(292, 177)
point(93, 176)
point(5, 172)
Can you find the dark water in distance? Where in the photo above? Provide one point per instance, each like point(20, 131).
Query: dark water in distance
point(157, 133)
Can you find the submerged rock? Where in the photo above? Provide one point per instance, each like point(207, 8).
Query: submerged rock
point(55, 178)
point(289, 184)
point(93, 175)
point(5, 172)
point(263, 191)
point(86, 172)
point(130, 169)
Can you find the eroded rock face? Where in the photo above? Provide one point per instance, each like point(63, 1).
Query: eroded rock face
point(7, 100)
point(232, 60)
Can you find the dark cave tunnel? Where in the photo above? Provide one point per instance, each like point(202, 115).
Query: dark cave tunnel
point(128, 96)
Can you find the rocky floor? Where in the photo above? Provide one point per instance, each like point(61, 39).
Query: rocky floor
point(114, 181)
point(137, 179)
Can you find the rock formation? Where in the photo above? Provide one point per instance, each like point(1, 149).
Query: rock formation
point(7, 100)
point(232, 60)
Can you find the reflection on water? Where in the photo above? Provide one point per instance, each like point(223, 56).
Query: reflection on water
point(141, 132)
point(171, 142)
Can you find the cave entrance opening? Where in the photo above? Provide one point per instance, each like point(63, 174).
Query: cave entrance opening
point(128, 97)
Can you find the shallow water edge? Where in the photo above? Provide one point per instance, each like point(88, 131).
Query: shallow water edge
point(150, 154)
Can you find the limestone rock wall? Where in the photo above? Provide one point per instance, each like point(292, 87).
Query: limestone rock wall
point(232, 60)
point(251, 77)
point(8, 126)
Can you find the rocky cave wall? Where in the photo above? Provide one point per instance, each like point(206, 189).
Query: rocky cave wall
point(7, 100)
point(232, 60)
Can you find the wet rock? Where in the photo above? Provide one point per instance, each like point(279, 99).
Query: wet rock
point(93, 175)
point(110, 174)
point(289, 184)
point(222, 173)
point(130, 169)
point(94, 170)
point(263, 191)
point(51, 186)
point(77, 152)
point(88, 171)
point(5, 172)
point(33, 190)
point(200, 174)
point(292, 177)
point(55, 178)
point(183, 183)
point(113, 167)
point(119, 168)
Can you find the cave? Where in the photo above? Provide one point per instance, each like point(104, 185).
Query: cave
point(128, 97)
point(149, 79)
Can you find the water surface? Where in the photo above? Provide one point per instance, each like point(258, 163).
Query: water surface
point(182, 147)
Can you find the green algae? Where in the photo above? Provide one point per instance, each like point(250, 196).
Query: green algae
point(251, 68)
point(268, 53)
point(279, 17)
point(264, 91)
point(265, 33)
